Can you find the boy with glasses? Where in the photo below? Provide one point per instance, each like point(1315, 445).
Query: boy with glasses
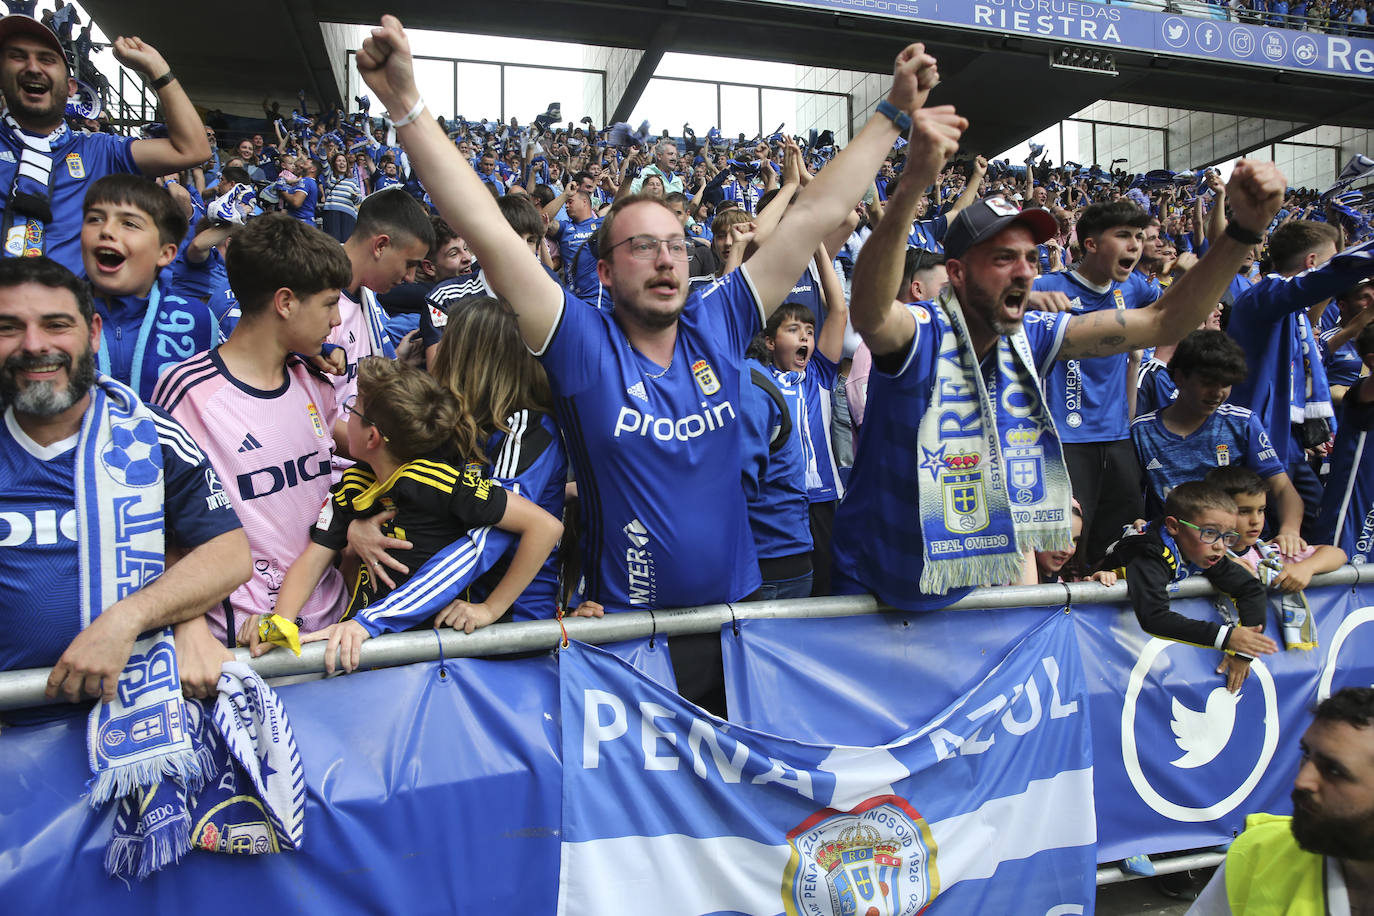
point(1198, 526)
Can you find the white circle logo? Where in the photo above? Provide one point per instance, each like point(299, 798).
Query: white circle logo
point(1305, 50)
point(1242, 42)
point(1208, 37)
point(1175, 32)
point(1273, 46)
point(1075, 420)
point(1348, 625)
point(1130, 755)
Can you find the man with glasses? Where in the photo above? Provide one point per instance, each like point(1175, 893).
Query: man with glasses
point(1198, 526)
point(648, 395)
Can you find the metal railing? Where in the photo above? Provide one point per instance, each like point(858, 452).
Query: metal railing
point(24, 688)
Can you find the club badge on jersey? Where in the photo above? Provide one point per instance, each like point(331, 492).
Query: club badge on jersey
point(705, 376)
point(25, 239)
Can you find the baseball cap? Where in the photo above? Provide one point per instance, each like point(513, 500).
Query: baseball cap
point(26, 26)
point(980, 221)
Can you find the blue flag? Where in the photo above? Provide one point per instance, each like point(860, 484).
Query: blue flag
point(988, 807)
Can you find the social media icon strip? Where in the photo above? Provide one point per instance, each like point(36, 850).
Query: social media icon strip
point(1176, 32)
point(1241, 41)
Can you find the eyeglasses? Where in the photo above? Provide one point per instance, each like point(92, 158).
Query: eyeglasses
point(645, 247)
point(348, 405)
point(1210, 535)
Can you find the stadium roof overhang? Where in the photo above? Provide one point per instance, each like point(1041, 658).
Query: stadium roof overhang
point(1002, 83)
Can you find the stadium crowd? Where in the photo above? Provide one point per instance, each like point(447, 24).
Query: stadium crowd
point(347, 374)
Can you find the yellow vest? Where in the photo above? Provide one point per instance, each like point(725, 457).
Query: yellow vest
point(1268, 875)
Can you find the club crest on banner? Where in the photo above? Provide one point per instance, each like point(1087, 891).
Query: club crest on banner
point(1025, 465)
point(1203, 731)
point(876, 860)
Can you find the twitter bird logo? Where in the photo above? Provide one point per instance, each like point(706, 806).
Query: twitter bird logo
point(1202, 735)
point(1175, 32)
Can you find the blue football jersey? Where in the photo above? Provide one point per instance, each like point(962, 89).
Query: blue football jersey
point(1264, 322)
point(1347, 514)
point(1155, 388)
point(42, 614)
point(807, 291)
point(1231, 435)
point(1343, 364)
point(928, 234)
point(77, 160)
point(877, 540)
point(147, 336)
point(774, 472)
point(657, 451)
point(1086, 395)
point(811, 417)
point(579, 273)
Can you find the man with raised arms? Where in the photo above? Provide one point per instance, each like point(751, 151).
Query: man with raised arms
point(959, 471)
point(648, 396)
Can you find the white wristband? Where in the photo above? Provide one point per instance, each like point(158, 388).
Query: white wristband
point(411, 116)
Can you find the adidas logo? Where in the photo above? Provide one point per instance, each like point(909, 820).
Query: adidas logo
point(637, 390)
point(1154, 465)
point(249, 443)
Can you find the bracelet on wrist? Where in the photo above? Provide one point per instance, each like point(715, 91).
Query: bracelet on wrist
point(900, 118)
point(162, 80)
point(411, 116)
point(1243, 235)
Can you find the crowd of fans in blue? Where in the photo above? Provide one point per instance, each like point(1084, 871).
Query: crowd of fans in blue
point(392, 359)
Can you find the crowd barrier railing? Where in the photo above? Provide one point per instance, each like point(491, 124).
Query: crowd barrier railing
point(25, 688)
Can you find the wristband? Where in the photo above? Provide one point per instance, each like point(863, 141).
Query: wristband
point(898, 117)
point(1243, 235)
point(162, 80)
point(411, 116)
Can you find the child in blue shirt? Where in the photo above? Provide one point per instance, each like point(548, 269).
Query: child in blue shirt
point(802, 362)
point(131, 228)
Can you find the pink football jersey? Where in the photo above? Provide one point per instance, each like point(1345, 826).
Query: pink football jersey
point(272, 451)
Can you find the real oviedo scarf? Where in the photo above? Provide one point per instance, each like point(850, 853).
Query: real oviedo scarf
point(993, 483)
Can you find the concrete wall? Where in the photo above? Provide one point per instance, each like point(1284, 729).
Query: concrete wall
point(337, 41)
point(832, 112)
point(1199, 138)
point(619, 64)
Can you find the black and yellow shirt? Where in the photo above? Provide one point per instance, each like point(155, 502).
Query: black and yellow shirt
point(436, 503)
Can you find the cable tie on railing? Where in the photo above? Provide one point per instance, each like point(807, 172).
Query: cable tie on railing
point(563, 644)
point(653, 622)
point(1068, 597)
point(443, 667)
point(734, 621)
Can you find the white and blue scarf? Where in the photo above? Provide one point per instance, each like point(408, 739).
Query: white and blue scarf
point(376, 324)
point(29, 208)
point(1310, 395)
point(251, 801)
point(140, 736)
point(993, 483)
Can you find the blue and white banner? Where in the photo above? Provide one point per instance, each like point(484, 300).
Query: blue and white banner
point(1178, 761)
point(957, 756)
point(987, 807)
point(1085, 22)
